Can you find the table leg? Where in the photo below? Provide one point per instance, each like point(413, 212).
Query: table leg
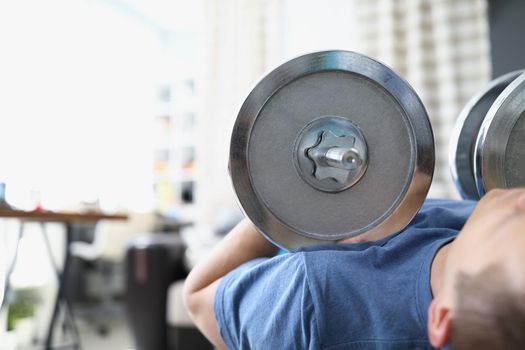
point(11, 268)
point(62, 298)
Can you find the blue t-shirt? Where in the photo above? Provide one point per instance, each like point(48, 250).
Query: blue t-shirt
point(371, 295)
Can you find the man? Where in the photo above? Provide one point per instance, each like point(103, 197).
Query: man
point(424, 287)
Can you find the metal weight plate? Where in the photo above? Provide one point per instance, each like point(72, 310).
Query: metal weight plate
point(464, 135)
point(500, 147)
point(328, 146)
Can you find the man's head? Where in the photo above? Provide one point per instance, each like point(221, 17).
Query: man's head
point(483, 291)
point(489, 314)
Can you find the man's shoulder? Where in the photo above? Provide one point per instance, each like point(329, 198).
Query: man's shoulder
point(444, 213)
point(264, 278)
point(266, 304)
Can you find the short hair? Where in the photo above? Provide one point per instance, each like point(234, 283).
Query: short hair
point(489, 314)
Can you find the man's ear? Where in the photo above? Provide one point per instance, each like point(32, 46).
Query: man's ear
point(439, 323)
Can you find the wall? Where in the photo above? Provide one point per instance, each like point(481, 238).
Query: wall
point(507, 28)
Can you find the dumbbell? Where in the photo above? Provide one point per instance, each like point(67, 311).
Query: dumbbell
point(487, 149)
point(330, 146)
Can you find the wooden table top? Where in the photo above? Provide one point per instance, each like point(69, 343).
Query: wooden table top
point(52, 216)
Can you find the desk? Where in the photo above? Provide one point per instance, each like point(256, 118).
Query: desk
point(68, 219)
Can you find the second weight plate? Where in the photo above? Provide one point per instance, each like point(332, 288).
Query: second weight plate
point(300, 95)
point(464, 135)
point(500, 147)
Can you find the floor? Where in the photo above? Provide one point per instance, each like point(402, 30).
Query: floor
point(118, 338)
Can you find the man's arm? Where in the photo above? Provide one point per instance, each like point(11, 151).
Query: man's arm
point(242, 244)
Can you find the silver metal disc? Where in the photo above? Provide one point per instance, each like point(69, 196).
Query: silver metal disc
point(285, 208)
point(500, 147)
point(464, 135)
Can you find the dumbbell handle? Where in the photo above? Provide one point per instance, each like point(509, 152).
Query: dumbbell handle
point(343, 158)
point(346, 158)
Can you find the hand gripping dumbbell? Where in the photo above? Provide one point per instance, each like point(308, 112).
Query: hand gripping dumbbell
point(329, 146)
point(487, 149)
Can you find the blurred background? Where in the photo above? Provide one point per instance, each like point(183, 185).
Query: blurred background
point(126, 106)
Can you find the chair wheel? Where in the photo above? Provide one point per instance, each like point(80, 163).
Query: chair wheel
point(103, 330)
